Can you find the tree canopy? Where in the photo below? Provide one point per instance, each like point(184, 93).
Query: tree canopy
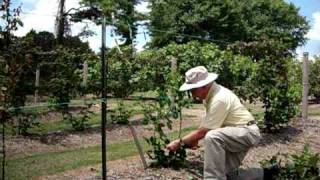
point(227, 21)
point(119, 12)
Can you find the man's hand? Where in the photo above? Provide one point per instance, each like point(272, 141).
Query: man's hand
point(190, 140)
point(194, 146)
point(174, 145)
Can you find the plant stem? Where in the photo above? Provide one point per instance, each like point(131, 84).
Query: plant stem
point(180, 125)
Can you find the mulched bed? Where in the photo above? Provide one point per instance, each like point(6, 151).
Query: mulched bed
point(60, 141)
point(290, 140)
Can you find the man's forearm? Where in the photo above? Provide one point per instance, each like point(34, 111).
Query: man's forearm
point(193, 137)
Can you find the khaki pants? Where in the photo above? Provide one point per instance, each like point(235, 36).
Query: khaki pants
point(225, 148)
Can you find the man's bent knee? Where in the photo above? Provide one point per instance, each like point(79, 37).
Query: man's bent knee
point(213, 136)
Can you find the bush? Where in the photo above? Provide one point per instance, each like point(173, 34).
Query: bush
point(22, 122)
point(121, 68)
point(158, 114)
point(299, 166)
point(280, 90)
point(314, 78)
point(79, 122)
point(234, 71)
point(121, 114)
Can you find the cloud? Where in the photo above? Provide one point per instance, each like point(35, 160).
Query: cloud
point(301, 50)
point(43, 14)
point(72, 4)
point(41, 18)
point(29, 1)
point(314, 33)
point(142, 7)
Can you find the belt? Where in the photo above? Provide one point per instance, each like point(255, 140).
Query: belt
point(251, 123)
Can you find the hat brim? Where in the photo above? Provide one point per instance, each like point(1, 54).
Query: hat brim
point(211, 77)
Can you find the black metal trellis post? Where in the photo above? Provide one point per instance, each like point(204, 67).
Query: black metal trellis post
point(3, 114)
point(3, 118)
point(3, 150)
point(104, 101)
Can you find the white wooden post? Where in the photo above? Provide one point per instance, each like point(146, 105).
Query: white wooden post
point(174, 68)
point(85, 73)
point(305, 82)
point(37, 82)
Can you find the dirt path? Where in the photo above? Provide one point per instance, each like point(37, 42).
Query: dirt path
point(290, 140)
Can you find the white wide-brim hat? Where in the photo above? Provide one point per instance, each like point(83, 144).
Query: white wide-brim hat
point(197, 77)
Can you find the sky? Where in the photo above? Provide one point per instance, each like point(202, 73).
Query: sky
point(40, 16)
point(311, 10)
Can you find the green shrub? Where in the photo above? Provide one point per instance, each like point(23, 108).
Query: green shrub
point(22, 122)
point(121, 114)
point(121, 69)
point(161, 114)
point(314, 78)
point(304, 166)
point(158, 114)
point(279, 89)
point(81, 121)
point(235, 71)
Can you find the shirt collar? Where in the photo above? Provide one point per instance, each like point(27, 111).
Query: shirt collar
point(211, 92)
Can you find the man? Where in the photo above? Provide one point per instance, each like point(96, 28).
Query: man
point(228, 129)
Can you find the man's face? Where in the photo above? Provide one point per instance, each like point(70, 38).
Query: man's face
point(199, 94)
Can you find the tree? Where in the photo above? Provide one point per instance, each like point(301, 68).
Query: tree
point(11, 56)
point(43, 40)
point(120, 13)
point(226, 21)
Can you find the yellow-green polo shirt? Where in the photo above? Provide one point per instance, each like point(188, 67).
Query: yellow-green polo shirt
point(223, 108)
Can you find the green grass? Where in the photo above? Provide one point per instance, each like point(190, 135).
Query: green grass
point(54, 162)
point(145, 94)
point(65, 126)
point(314, 114)
point(314, 111)
point(62, 125)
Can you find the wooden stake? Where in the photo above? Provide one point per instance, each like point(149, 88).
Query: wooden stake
point(136, 140)
point(305, 82)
